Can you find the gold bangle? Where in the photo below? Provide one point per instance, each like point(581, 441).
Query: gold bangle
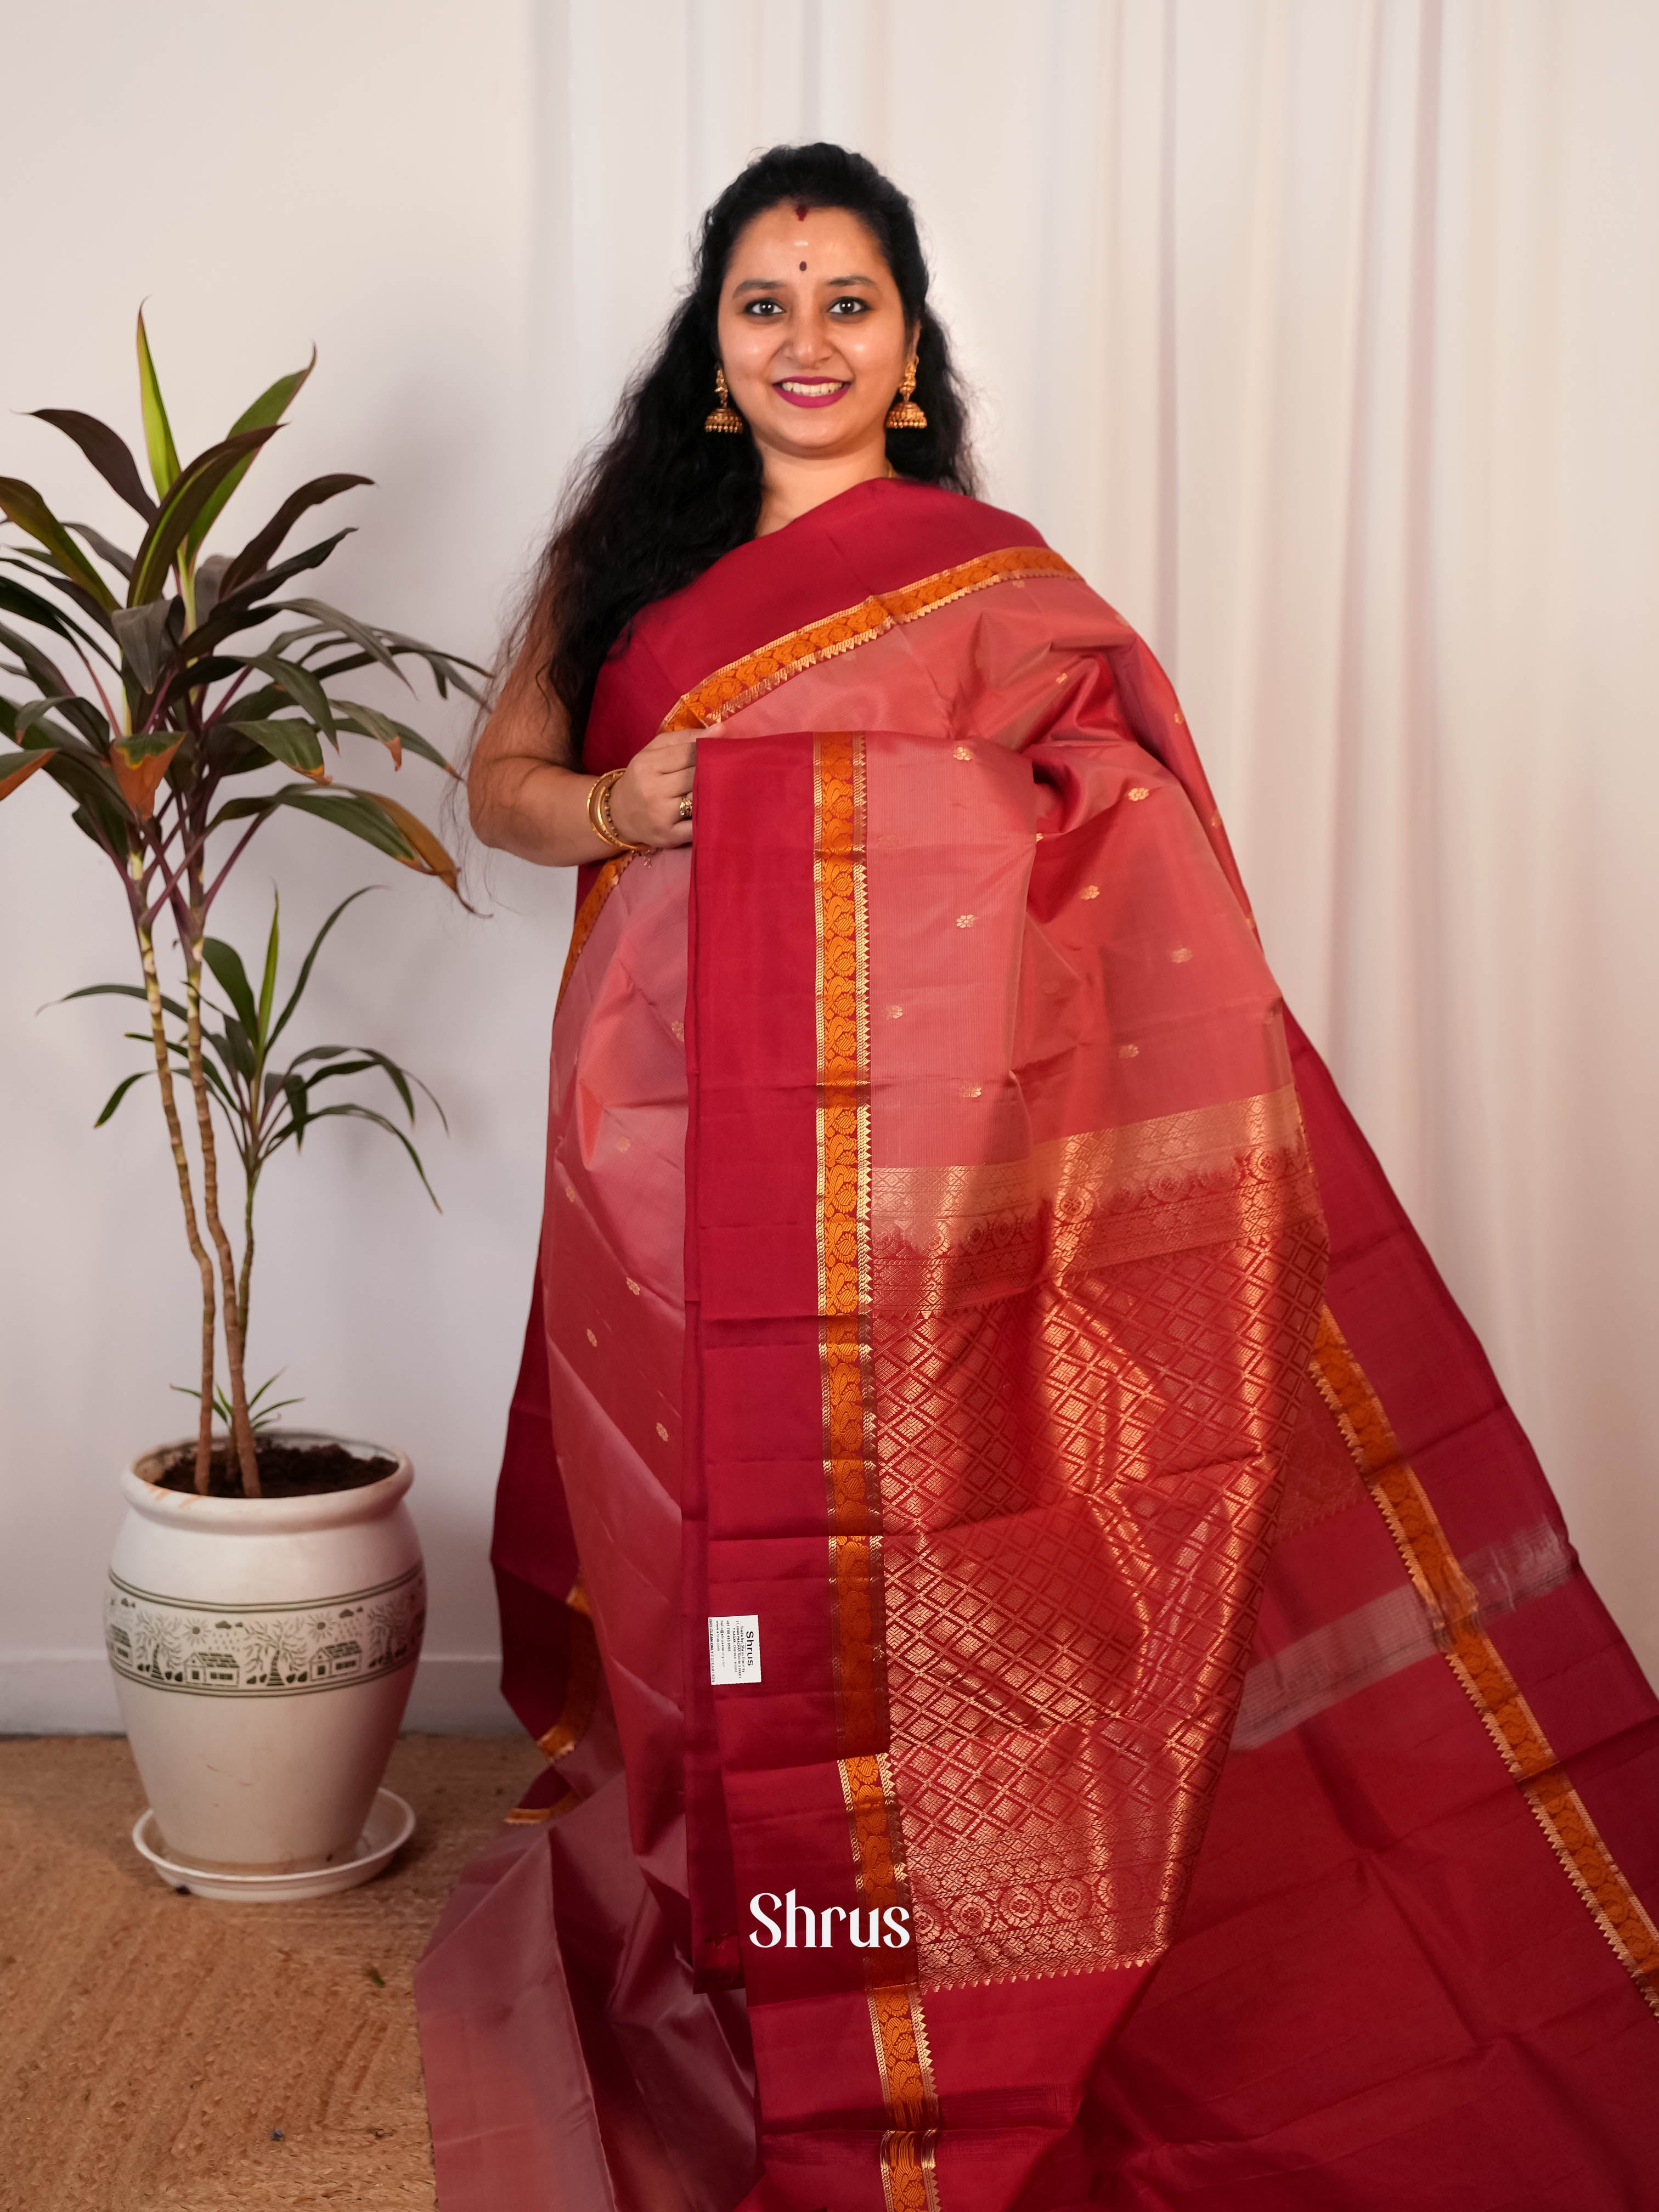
point(598, 813)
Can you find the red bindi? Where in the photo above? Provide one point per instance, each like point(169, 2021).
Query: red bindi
point(800, 210)
point(802, 267)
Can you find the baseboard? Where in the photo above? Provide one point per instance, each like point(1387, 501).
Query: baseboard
point(73, 1693)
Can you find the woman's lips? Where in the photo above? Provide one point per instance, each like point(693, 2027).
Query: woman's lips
point(811, 391)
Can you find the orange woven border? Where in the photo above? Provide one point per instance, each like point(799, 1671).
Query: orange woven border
point(741, 682)
point(853, 1499)
point(582, 1689)
point(534, 1816)
point(587, 913)
point(1449, 1600)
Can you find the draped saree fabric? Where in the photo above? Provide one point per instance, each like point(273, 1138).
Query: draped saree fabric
point(1177, 1759)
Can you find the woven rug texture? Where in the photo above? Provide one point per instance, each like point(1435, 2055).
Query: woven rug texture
point(158, 2051)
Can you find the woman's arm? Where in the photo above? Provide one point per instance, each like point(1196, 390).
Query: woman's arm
point(524, 796)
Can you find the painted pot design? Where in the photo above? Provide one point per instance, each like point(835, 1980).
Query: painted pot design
point(263, 1649)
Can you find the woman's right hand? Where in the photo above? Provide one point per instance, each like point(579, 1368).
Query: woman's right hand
point(645, 800)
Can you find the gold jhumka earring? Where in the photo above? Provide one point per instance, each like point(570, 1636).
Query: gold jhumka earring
point(724, 416)
point(904, 413)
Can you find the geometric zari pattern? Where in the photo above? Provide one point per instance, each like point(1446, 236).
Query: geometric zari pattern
point(1079, 1480)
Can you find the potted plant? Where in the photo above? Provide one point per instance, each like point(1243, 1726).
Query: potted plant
point(267, 1595)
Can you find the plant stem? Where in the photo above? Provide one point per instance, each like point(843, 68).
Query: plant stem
point(245, 1287)
point(242, 1428)
point(181, 1161)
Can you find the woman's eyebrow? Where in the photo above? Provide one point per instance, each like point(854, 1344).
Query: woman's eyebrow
point(777, 283)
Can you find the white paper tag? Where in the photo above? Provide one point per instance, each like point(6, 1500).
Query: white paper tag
point(734, 1647)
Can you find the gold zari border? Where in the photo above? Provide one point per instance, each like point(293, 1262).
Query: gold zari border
point(576, 1713)
point(742, 681)
point(587, 913)
point(1453, 1607)
point(534, 1816)
point(852, 1492)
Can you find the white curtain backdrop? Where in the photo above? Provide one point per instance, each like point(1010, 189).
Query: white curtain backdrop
point(1323, 335)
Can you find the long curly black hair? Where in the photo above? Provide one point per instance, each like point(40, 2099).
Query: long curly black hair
point(659, 499)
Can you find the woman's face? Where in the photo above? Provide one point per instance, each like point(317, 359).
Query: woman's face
point(812, 331)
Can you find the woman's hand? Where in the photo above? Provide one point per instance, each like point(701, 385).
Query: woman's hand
point(526, 798)
point(645, 800)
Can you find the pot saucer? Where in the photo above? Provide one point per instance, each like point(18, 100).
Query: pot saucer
point(390, 1825)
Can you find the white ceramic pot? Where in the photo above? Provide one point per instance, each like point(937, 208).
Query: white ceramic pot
point(264, 1651)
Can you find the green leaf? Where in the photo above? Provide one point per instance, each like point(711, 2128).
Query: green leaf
point(147, 743)
point(120, 991)
point(445, 667)
point(267, 410)
point(102, 547)
point(231, 976)
point(158, 433)
point(268, 983)
point(400, 1078)
point(142, 633)
point(184, 502)
point(239, 1050)
point(242, 608)
point(99, 812)
point(299, 1105)
point(356, 1113)
point(23, 505)
point(110, 455)
point(330, 618)
point(18, 599)
point(260, 547)
point(300, 685)
point(411, 740)
point(48, 680)
point(275, 400)
point(358, 813)
point(372, 723)
point(119, 1093)
point(39, 568)
point(310, 961)
point(34, 717)
point(287, 739)
point(362, 813)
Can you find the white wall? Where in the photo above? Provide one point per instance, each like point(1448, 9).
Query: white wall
point(1323, 334)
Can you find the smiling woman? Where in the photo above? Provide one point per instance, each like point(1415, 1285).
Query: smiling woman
point(808, 306)
point(814, 343)
point(990, 1457)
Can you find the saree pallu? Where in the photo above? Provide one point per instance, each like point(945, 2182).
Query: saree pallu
point(1171, 1707)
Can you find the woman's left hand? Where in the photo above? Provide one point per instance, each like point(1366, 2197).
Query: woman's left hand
point(646, 799)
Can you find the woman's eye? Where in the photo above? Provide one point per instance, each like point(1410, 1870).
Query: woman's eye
point(849, 306)
point(759, 308)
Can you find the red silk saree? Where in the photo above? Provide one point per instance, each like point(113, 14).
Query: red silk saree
point(1173, 1758)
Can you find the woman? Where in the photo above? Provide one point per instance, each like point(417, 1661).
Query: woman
point(1054, 1692)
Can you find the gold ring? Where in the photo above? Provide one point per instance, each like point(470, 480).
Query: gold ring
point(685, 806)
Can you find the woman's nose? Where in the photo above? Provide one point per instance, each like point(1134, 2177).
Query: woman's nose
point(811, 341)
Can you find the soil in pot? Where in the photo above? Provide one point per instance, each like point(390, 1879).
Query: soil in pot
point(286, 1470)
